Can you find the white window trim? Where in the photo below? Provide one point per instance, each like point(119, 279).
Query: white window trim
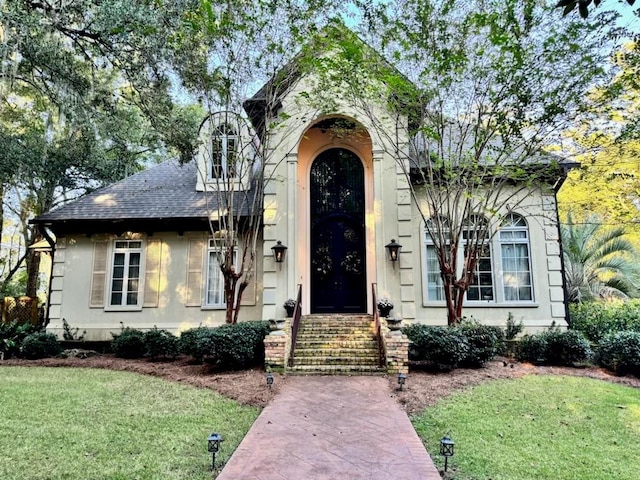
point(213, 246)
point(531, 302)
point(495, 248)
point(141, 276)
point(224, 142)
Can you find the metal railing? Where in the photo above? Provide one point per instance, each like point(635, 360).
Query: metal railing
point(295, 324)
point(382, 355)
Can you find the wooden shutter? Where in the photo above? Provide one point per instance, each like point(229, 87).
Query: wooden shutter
point(194, 272)
point(249, 294)
point(152, 273)
point(99, 274)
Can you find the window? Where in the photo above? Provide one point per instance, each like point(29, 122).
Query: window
point(125, 273)
point(224, 146)
point(481, 286)
point(516, 261)
point(434, 283)
point(214, 293)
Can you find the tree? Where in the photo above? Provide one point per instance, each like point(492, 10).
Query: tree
point(486, 86)
point(85, 100)
point(569, 6)
point(243, 138)
point(599, 261)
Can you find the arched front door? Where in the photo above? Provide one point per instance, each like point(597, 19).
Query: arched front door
point(338, 263)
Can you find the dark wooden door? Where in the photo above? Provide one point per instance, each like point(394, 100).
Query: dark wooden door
point(338, 263)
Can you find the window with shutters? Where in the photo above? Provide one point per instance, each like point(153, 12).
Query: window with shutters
point(126, 274)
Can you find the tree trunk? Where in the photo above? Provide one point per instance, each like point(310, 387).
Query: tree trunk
point(33, 273)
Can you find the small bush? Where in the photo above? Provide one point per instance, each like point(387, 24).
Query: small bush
point(129, 343)
point(12, 335)
point(484, 343)
point(554, 347)
point(598, 319)
point(71, 334)
point(40, 345)
point(620, 352)
point(161, 344)
point(228, 346)
point(442, 348)
point(513, 329)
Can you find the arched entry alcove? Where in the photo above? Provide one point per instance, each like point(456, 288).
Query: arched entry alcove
point(337, 233)
point(335, 228)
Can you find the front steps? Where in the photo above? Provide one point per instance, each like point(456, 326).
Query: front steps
point(336, 344)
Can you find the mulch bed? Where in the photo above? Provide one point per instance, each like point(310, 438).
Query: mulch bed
point(249, 387)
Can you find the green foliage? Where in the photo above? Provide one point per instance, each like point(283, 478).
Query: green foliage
point(71, 334)
point(40, 345)
point(600, 262)
point(161, 344)
point(513, 329)
point(620, 352)
point(231, 346)
point(484, 342)
point(598, 319)
point(554, 347)
point(443, 348)
point(11, 336)
point(129, 343)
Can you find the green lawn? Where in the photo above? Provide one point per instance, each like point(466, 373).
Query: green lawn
point(539, 427)
point(63, 423)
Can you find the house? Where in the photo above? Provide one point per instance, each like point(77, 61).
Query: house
point(141, 252)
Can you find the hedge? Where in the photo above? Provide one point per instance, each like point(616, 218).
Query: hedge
point(598, 319)
point(554, 347)
point(620, 352)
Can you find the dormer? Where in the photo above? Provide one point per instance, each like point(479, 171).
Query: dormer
point(226, 154)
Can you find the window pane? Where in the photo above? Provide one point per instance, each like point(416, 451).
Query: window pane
point(435, 290)
point(116, 298)
point(132, 298)
point(214, 281)
point(118, 259)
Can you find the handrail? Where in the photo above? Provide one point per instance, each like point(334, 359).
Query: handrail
point(295, 323)
point(376, 320)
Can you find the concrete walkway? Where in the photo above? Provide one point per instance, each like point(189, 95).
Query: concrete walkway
point(331, 427)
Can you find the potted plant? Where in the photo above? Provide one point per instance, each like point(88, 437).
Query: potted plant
point(289, 306)
point(384, 306)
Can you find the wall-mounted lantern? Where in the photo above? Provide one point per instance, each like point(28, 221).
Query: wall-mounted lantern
point(393, 249)
point(279, 252)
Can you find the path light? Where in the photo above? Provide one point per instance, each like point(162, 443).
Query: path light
point(393, 248)
point(269, 379)
point(446, 449)
point(279, 252)
point(402, 378)
point(213, 445)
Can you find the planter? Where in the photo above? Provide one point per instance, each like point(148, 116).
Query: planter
point(384, 312)
point(394, 323)
point(290, 311)
point(276, 325)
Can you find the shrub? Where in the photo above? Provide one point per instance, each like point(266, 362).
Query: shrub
point(160, 344)
point(484, 342)
point(598, 319)
point(513, 329)
point(229, 346)
point(554, 347)
point(441, 347)
point(71, 334)
point(620, 352)
point(11, 336)
point(129, 343)
point(40, 345)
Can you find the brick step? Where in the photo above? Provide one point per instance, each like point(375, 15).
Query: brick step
point(343, 360)
point(336, 333)
point(336, 370)
point(336, 352)
point(333, 343)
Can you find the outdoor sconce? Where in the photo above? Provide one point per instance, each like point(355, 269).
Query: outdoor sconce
point(393, 248)
point(402, 378)
point(446, 449)
point(269, 379)
point(279, 251)
point(213, 445)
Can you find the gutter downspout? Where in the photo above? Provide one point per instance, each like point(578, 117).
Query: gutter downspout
point(52, 244)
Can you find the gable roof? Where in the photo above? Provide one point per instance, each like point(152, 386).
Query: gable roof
point(161, 198)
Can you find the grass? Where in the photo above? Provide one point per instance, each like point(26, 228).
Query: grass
point(63, 423)
point(542, 427)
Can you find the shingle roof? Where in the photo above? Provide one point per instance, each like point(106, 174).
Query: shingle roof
point(165, 191)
